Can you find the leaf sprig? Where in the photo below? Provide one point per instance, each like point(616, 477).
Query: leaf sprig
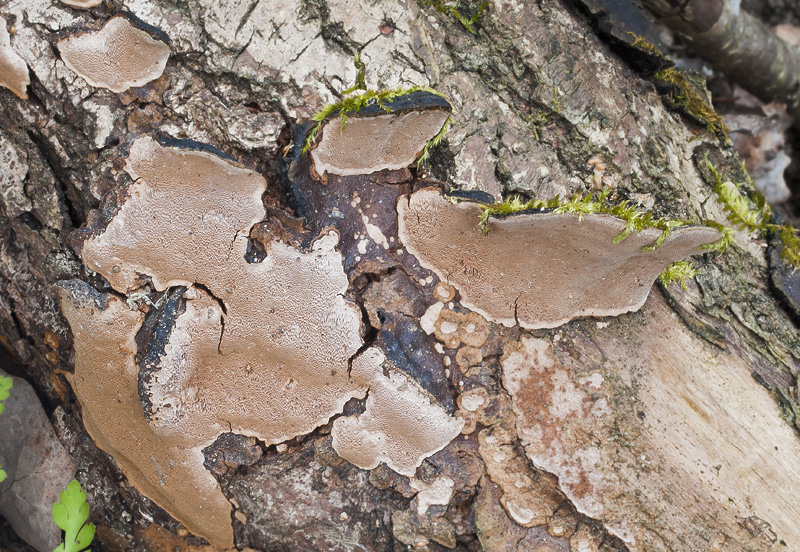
point(71, 514)
point(5, 385)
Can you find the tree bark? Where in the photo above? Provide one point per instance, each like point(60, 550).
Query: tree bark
point(670, 428)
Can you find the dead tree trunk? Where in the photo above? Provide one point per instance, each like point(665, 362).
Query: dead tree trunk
point(669, 428)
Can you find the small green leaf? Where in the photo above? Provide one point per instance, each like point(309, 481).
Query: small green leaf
point(3, 475)
point(5, 385)
point(70, 514)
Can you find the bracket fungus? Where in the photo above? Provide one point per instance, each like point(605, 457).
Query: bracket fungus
point(542, 269)
point(261, 349)
point(82, 4)
point(13, 69)
point(124, 54)
point(385, 133)
point(401, 425)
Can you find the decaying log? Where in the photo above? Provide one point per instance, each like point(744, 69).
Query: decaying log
point(670, 428)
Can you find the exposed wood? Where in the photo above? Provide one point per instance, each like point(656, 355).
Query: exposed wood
point(670, 428)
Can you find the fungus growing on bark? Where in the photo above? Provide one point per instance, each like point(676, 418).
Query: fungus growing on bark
point(123, 54)
point(83, 4)
point(260, 349)
point(254, 348)
point(540, 269)
point(13, 69)
point(376, 131)
point(401, 426)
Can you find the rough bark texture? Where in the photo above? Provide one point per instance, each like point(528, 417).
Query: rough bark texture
point(672, 428)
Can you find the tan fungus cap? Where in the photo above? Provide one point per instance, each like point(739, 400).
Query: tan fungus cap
point(401, 426)
point(539, 270)
point(13, 69)
point(118, 57)
point(83, 4)
point(364, 145)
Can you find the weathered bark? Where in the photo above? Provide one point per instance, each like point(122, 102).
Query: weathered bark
point(672, 428)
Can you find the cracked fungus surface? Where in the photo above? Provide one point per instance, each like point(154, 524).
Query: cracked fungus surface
point(255, 348)
point(118, 57)
point(401, 425)
point(539, 270)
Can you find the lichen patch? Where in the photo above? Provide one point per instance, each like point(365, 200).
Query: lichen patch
point(544, 397)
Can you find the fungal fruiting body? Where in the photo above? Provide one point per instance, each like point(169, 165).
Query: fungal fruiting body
point(539, 270)
point(119, 56)
point(13, 69)
point(387, 132)
point(255, 348)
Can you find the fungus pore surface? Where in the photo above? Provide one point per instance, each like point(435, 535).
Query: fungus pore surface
point(118, 57)
point(13, 69)
point(401, 426)
point(390, 136)
point(84, 4)
point(539, 270)
point(261, 349)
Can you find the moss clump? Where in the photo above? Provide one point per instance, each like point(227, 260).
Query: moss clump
point(636, 219)
point(452, 10)
point(426, 151)
point(689, 98)
point(353, 102)
point(679, 272)
point(754, 214)
point(642, 44)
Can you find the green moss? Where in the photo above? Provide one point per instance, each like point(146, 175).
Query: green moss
point(361, 83)
point(642, 44)
point(536, 120)
point(679, 272)
point(426, 151)
point(751, 212)
point(636, 220)
point(693, 102)
point(451, 9)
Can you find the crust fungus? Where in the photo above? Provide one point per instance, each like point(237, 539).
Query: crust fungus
point(541, 269)
point(386, 134)
point(401, 426)
point(82, 4)
point(13, 69)
point(123, 54)
point(261, 349)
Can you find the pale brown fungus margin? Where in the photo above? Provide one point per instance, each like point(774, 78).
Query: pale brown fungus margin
point(260, 349)
point(119, 56)
point(82, 4)
point(390, 135)
point(539, 270)
point(401, 426)
point(13, 69)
